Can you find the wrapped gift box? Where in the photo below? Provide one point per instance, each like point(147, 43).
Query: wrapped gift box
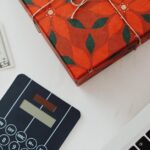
point(88, 36)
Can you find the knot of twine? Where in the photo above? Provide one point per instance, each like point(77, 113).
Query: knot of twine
point(77, 6)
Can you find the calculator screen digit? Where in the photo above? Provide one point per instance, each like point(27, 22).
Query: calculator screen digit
point(31, 117)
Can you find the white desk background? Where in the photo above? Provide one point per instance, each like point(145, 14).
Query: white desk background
point(107, 101)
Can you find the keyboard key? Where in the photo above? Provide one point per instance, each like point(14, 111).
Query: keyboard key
point(14, 146)
point(41, 147)
point(11, 130)
point(2, 123)
point(31, 143)
point(148, 134)
point(4, 140)
point(143, 144)
point(133, 148)
point(21, 136)
point(1, 148)
point(24, 149)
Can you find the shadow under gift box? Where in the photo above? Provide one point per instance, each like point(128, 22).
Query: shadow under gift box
point(100, 33)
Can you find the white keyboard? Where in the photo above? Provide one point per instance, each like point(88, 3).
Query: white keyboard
point(135, 136)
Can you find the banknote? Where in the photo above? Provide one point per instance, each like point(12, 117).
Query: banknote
point(6, 60)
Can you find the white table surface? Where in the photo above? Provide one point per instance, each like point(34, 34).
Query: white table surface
point(107, 101)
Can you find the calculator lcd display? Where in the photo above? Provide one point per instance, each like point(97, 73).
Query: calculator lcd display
point(37, 113)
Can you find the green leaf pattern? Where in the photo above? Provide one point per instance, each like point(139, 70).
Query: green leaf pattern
point(90, 44)
point(76, 23)
point(68, 60)
point(52, 38)
point(126, 34)
point(147, 17)
point(100, 23)
point(28, 1)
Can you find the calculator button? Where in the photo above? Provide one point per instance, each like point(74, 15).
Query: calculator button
point(4, 140)
point(11, 129)
point(2, 123)
point(21, 136)
point(14, 146)
point(148, 134)
point(31, 143)
point(41, 147)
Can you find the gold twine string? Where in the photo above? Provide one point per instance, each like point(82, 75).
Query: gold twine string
point(40, 9)
point(78, 6)
point(124, 19)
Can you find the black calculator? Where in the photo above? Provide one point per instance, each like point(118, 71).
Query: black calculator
point(32, 118)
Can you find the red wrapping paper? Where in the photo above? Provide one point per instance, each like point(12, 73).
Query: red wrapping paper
point(96, 36)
